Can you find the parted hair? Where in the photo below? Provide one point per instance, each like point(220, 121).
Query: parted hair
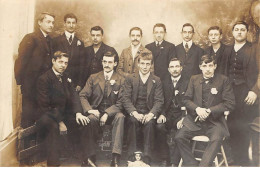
point(70, 15)
point(97, 28)
point(160, 25)
point(175, 59)
point(111, 54)
point(207, 59)
point(188, 25)
point(59, 54)
point(42, 15)
point(145, 56)
point(215, 28)
point(240, 22)
point(136, 28)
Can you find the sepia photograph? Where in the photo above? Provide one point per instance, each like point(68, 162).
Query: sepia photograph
point(129, 83)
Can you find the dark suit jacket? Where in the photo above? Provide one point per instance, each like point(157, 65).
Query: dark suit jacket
point(162, 56)
point(219, 56)
point(154, 93)
point(75, 52)
point(221, 98)
point(92, 93)
point(55, 98)
point(170, 95)
point(89, 54)
point(250, 68)
point(191, 61)
point(34, 58)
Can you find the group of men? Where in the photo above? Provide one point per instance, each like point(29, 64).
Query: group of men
point(145, 94)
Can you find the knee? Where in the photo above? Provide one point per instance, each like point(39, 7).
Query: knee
point(160, 127)
point(120, 116)
point(179, 138)
point(132, 121)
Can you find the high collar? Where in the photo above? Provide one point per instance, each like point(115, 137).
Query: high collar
point(44, 34)
point(189, 43)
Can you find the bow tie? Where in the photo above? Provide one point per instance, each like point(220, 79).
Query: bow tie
point(209, 80)
point(59, 76)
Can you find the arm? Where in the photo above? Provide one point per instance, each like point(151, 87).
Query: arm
point(85, 95)
point(120, 67)
point(158, 98)
point(25, 51)
point(127, 96)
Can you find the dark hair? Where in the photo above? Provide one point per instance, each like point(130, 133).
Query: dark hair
point(97, 28)
point(145, 56)
point(175, 59)
point(215, 28)
point(240, 22)
point(59, 54)
point(136, 28)
point(207, 59)
point(159, 25)
point(188, 25)
point(42, 15)
point(111, 54)
point(70, 15)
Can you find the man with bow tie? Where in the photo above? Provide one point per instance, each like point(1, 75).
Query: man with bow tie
point(162, 50)
point(128, 63)
point(69, 43)
point(188, 52)
point(207, 97)
point(98, 97)
point(59, 107)
point(143, 101)
point(173, 112)
point(34, 58)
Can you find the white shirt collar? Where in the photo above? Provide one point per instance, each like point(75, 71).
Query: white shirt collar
point(160, 42)
point(189, 43)
point(55, 72)
point(108, 74)
point(44, 34)
point(134, 50)
point(144, 78)
point(238, 46)
point(68, 34)
point(176, 79)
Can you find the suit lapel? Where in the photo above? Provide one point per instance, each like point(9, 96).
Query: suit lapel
point(212, 96)
point(136, 80)
point(56, 83)
point(101, 81)
point(44, 41)
point(109, 88)
point(199, 89)
point(150, 83)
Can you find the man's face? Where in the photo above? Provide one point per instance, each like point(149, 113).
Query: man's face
point(214, 36)
point(47, 24)
point(187, 33)
point(159, 33)
point(240, 32)
point(208, 69)
point(135, 37)
point(175, 68)
point(97, 37)
point(70, 25)
point(144, 66)
point(60, 64)
point(108, 63)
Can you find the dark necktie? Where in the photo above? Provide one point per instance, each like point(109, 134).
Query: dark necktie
point(174, 82)
point(157, 44)
point(186, 47)
point(70, 39)
point(207, 80)
point(59, 76)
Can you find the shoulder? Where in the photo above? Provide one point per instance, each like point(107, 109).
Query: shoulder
point(157, 79)
point(169, 44)
point(146, 50)
point(45, 77)
point(221, 77)
point(149, 45)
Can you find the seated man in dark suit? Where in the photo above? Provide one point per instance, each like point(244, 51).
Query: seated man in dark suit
point(173, 112)
point(142, 100)
point(207, 97)
point(98, 97)
point(58, 106)
point(188, 52)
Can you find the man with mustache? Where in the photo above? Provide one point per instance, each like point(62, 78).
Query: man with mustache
point(34, 59)
point(58, 107)
point(207, 97)
point(92, 60)
point(188, 52)
point(240, 66)
point(69, 43)
point(162, 50)
point(129, 56)
point(143, 101)
point(173, 112)
point(99, 99)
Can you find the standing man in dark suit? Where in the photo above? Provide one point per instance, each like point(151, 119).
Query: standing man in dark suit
point(58, 106)
point(142, 100)
point(217, 48)
point(162, 50)
point(208, 96)
point(128, 61)
point(34, 58)
point(173, 112)
point(241, 68)
point(92, 62)
point(101, 92)
point(188, 52)
point(74, 47)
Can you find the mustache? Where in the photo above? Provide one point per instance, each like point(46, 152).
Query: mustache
point(135, 40)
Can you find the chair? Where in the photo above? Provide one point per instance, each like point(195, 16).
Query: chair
point(203, 138)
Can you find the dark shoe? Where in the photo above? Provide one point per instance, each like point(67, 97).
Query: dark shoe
point(115, 160)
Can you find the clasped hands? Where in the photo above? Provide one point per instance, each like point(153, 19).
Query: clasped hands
point(202, 113)
point(143, 118)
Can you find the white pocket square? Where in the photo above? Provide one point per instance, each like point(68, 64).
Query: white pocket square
point(115, 92)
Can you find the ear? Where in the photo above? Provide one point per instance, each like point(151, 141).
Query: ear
point(52, 60)
point(115, 64)
point(39, 22)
